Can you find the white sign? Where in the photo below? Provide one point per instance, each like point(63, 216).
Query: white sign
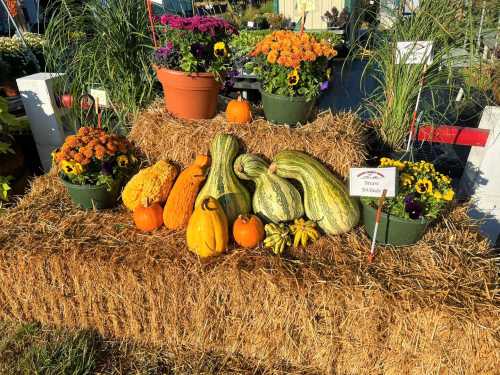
point(371, 182)
point(411, 6)
point(305, 6)
point(100, 95)
point(419, 52)
point(157, 2)
point(250, 24)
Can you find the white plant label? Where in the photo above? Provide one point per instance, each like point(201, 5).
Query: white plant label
point(157, 2)
point(305, 6)
point(460, 95)
point(419, 52)
point(411, 6)
point(250, 24)
point(100, 95)
point(371, 182)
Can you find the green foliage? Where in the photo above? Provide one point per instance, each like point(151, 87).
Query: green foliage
point(243, 43)
point(6, 148)
point(9, 123)
point(5, 187)
point(15, 59)
point(106, 44)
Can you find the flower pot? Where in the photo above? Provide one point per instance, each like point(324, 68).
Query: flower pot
point(290, 110)
point(10, 88)
point(189, 96)
point(92, 196)
point(393, 230)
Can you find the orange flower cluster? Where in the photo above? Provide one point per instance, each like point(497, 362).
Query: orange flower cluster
point(89, 143)
point(290, 48)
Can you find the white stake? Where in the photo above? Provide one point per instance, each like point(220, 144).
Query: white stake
point(377, 222)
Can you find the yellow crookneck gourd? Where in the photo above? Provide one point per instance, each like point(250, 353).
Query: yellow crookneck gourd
point(207, 231)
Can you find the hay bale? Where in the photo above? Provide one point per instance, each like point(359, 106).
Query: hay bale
point(338, 140)
point(425, 308)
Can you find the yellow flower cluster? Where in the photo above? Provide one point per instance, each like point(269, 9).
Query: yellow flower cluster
point(422, 178)
point(289, 48)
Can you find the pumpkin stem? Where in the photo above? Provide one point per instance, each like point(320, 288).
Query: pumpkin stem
point(272, 168)
point(146, 201)
point(244, 218)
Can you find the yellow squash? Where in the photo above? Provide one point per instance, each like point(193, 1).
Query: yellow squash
point(207, 230)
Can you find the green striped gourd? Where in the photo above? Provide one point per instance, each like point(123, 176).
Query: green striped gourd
point(222, 183)
point(275, 198)
point(326, 199)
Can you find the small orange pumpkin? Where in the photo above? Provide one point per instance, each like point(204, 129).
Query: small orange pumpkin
point(238, 111)
point(148, 217)
point(248, 231)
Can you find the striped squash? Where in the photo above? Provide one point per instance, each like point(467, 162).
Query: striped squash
point(275, 198)
point(326, 199)
point(222, 183)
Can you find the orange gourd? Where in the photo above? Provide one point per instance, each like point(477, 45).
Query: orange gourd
point(180, 202)
point(238, 111)
point(248, 231)
point(148, 217)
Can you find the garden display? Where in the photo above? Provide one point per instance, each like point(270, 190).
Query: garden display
point(93, 165)
point(231, 237)
point(191, 62)
point(293, 71)
point(423, 194)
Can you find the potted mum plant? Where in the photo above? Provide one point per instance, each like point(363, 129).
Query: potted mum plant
point(191, 63)
point(292, 68)
point(93, 165)
point(423, 194)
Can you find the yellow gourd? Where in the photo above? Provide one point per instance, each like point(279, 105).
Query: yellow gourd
point(152, 184)
point(207, 231)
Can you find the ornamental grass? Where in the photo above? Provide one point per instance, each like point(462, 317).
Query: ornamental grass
point(433, 307)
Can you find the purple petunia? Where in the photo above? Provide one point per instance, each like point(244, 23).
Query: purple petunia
point(323, 85)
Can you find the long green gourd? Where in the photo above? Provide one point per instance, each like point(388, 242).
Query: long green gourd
point(222, 183)
point(326, 199)
point(275, 199)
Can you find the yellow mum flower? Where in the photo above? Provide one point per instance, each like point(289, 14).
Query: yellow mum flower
point(438, 195)
point(448, 195)
point(71, 168)
point(220, 49)
point(122, 161)
point(399, 165)
point(293, 77)
point(424, 186)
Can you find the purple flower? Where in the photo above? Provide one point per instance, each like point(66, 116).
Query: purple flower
point(107, 168)
point(198, 50)
point(323, 85)
point(410, 198)
point(414, 210)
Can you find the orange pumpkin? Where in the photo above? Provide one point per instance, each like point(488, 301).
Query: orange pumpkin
point(248, 231)
point(148, 217)
point(238, 111)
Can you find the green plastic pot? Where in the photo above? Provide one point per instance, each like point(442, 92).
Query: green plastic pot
point(393, 230)
point(290, 110)
point(92, 196)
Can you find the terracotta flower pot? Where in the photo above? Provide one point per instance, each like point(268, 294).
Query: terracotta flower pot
point(189, 96)
point(10, 88)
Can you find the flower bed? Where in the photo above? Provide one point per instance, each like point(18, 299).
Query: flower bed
point(431, 306)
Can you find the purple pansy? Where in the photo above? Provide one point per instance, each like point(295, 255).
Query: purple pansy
point(323, 85)
point(412, 207)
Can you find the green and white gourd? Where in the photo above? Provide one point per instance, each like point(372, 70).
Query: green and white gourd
point(222, 183)
point(275, 199)
point(326, 199)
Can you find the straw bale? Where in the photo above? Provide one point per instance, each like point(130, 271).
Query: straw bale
point(429, 308)
point(337, 139)
point(432, 307)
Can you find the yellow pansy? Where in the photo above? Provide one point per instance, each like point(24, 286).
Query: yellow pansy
point(293, 77)
point(424, 186)
point(71, 168)
point(122, 161)
point(438, 195)
point(448, 195)
point(220, 49)
point(406, 179)
point(384, 162)
point(399, 165)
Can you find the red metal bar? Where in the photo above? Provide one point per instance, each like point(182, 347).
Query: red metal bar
point(455, 135)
